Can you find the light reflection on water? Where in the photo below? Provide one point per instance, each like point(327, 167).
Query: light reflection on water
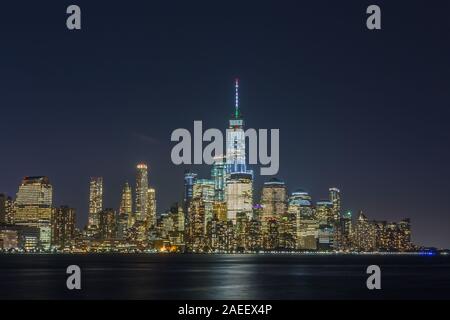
point(238, 277)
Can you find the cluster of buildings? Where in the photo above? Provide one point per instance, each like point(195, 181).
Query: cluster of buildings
point(221, 214)
point(31, 223)
point(281, 222)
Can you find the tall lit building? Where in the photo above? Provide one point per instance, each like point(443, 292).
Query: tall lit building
point(270, 234)
point(239, 180)
point(364, 235)
point(218, 175)
point(126, 202)
point(34, 207)
point(241, 229)
point(34, 201)
point(141, 192)
point(45, 234)
point(344, 230)
point(274, 208)
point(335, 199)
point(296, 200)
point(126, 217)
point(239, 195)
point(325, 216)
point(253, 233)
point(35, 191)
point(63, 226)
point(306, 226)
point(189, 181)
point(95, 200)
point(151, 208)
point(273, 199)
point(107, 224)
point(196, 239)
point(204, 190)
point(324, 211)
point(403, 239)
point(235, 140)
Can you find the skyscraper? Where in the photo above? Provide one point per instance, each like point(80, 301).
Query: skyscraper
point(239, 195)
point(235, 140)
point(141, 192)
point(34, 201)
point(189, 180)
point(36, 191)
point(325, 216)
point(324, 211)
point(218, 175)
point(126, 218)
point(335, 198)
point(34, 207)
point(107, 224)
point(239, 180)
point(195, 240)
point(306, 226)
point(126, 203)
point(63, 226)
point(151, 208)
point(274, 207)
point(274, 199)
point(364, 236)
point(300, 202)
point(95, 200)
point(204, 190)
point(344, 232)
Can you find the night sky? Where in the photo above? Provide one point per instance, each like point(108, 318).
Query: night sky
point(365, 111)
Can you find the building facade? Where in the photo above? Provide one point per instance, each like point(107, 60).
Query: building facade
point(141, 198)
point(95, 201)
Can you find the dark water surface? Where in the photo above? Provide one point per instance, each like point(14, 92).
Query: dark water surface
point(223, 277)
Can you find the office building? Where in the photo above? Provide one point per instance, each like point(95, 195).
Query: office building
point(141, 192)
point(95, 201)
point(335, 199)
point(63, 226)
point(33, 208)
point(151, 208)
point(239, 195)
point(364, 235)
point(107, 224)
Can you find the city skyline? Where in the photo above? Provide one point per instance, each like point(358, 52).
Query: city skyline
point(237, 165)
point(219, 213)
point(234, 163)
point(361, 111)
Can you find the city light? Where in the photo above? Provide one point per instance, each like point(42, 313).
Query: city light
point(219, 214)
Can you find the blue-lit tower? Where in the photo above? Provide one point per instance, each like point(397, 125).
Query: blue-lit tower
point(239, 180)
point(235, 141)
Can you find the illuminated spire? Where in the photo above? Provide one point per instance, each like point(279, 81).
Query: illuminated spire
point(236, 112)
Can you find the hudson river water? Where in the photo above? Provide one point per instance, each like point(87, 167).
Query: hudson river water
point(271, 276)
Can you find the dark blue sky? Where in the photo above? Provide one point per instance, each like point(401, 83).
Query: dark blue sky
point(364, 111)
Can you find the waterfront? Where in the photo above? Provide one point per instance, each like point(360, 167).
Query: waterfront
point(264, 276)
